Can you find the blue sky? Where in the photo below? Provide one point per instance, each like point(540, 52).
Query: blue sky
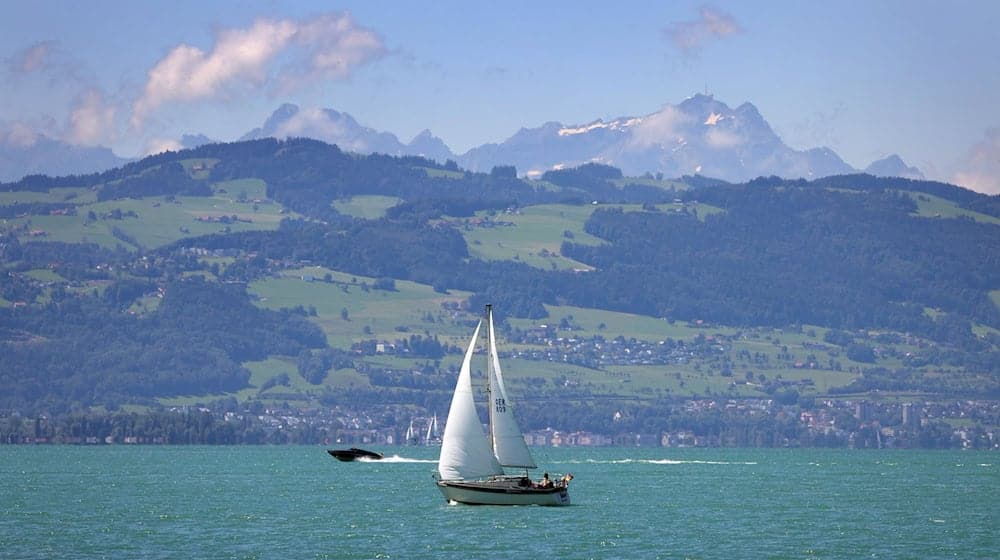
point(865, 78)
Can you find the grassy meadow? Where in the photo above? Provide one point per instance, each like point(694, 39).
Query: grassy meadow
point(154, 221)
point(368, 207)
point(930, 206)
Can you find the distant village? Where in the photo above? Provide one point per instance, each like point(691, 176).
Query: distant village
point(831, 423)
point(821, 422)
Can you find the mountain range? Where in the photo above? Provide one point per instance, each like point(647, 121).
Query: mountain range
point(43, 155)
point(699, 136)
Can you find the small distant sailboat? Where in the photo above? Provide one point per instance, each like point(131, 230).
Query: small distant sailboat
point(411, 435)
point(432, 437)
point(471, 465)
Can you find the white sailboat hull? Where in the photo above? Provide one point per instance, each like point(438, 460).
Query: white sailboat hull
point(502, 491)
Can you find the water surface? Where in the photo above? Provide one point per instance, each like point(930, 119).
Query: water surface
point(298, 502)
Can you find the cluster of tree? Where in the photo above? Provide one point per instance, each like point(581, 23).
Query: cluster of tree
point(597, 182)
point(377, 248)
point(423, 346)
point(72, 261)
point(82, 350)
point(42, 183)
point(908, 379)
point(778, 256)
point(410, 380)
point(36, 209)
point(166, 179)
point(196, 426)
point(313, 365)
point(965, 198)
point(307, 175)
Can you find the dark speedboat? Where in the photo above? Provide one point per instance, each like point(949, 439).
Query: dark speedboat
point(354, 453)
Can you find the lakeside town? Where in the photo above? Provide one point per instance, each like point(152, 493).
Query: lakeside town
point(713, 423)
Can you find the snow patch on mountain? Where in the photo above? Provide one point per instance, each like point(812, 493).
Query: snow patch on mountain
point(713, 119)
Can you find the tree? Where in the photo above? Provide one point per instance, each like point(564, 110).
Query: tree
point(861, 353)
point(504, 172)
point(385, 283)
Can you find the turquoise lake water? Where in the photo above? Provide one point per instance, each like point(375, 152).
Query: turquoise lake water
point(298, 502)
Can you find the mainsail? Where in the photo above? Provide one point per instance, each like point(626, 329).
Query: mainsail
point(465, 451)
point(508, 442)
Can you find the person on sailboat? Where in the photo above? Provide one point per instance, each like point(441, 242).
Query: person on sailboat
point(546, 481)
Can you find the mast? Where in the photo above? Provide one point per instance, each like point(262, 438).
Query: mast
point(489, 373)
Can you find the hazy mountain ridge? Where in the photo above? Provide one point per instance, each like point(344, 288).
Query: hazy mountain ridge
point(700, 135)
point(705, 136)
point(893, 166)
point(342, 129)
point(46, 156)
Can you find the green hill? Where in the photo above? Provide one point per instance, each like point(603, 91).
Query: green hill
point(269, 270)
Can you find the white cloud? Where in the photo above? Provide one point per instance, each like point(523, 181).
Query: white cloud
point(328, 46)
point(53, 63)
point(33, 58)
point(336, 44)
point(314, 123)
point(317, 123)
point(159, 145)
point(980, 170)
point(92, 120)
point(664, 127)
point(18, 134)
point(188, 73)
point(689, 36)
point(720, 138)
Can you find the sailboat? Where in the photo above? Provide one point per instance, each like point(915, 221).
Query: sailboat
point(432, 437)
point(471, 465)
point(411, 435)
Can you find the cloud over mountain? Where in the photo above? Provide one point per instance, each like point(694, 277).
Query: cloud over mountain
point(701, 135)
point(92, 120)
point(343, 130)
point(712, 24)
point(980, 170)
point(288, 51)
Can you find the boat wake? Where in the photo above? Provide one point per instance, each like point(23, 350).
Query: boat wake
point(663, 462)
point(398, 459)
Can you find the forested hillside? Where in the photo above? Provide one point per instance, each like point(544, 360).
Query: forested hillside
point(169, 278)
